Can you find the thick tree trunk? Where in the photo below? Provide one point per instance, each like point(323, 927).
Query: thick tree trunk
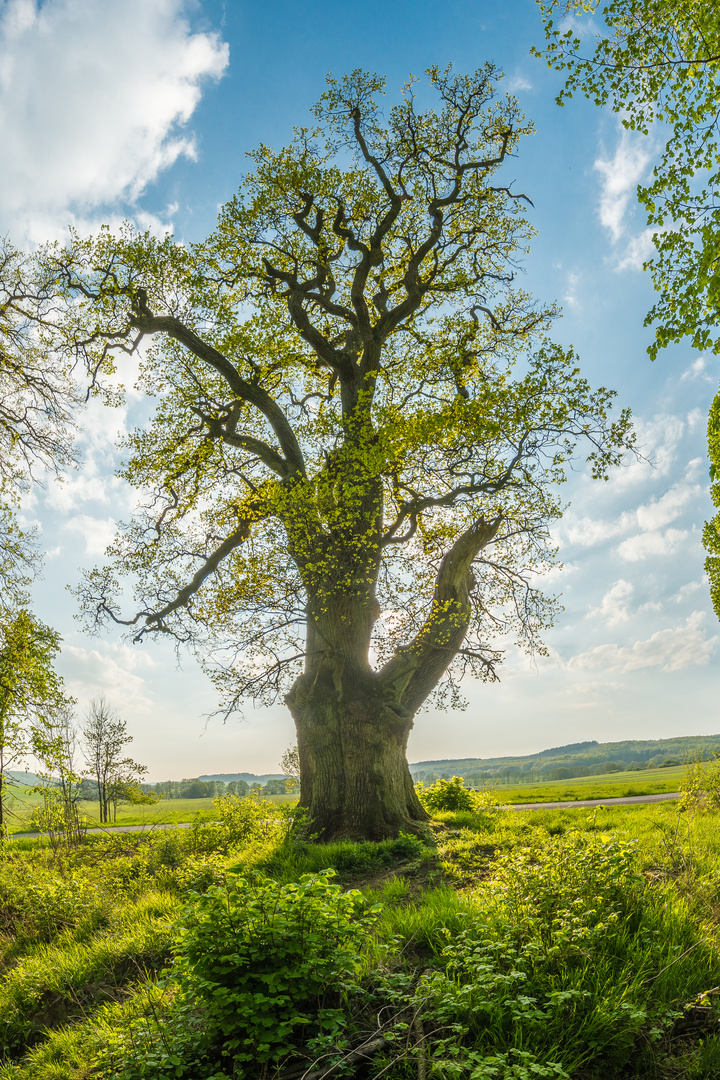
point(355, 782)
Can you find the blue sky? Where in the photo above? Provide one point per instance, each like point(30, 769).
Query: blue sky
point(146, 109)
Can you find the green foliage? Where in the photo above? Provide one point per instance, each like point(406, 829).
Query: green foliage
point(29, 686)
point(658, 61)
point(445, 795)
point(246, 819)
point(578, 943)
point(340, 275)
point(452, 796)
point(701, 785)
point(267, 962)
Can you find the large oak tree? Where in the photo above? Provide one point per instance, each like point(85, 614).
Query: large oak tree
point(350, 477)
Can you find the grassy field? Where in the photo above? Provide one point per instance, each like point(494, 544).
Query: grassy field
point(543, 945)
point(608, 786)
point(178, 811)
point(166, 812)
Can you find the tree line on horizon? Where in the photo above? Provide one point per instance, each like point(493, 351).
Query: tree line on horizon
point(195, 788)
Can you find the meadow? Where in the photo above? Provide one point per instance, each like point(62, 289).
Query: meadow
point(183, 811)
point(501, 945)
point(609, 786)
point(167, 812)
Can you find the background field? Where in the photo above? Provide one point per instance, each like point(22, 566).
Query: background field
point(614, 785)
point(166, 812)
point(177, 811)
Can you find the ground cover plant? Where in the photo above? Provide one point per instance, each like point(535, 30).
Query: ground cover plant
point(506, 944)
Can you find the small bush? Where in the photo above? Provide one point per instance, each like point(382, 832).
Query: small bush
point(247, 819)
point(266, 962)
point(445, 795)
point(701, 786)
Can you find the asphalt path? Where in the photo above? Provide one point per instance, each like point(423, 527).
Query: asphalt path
point(580, 804)
point(111, 829)
point(625, 800)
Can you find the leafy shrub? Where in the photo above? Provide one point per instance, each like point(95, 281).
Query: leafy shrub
point(701, 786)
point(266, 962)
point(246, 819)
point(445, 795)
point(574, 888)
point(38, 910)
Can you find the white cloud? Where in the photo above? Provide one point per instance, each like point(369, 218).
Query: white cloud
point(518, 82)
point(691, 587)
point(697, 370)
point(621, 175)
point(637, 251)
point(587, 532)
point(671, 650)
point(571, 297)
point(112, 671)
point(94, 95)
point(96, 532)
point(697, 418)
point(614, 604)
point(636, 548)
point(660, 512)
point(649, 517)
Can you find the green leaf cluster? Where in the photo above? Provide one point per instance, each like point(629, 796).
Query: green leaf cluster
point(267, 962)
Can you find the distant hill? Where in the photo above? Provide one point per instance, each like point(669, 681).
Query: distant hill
point(590, 755)
point(27, 778)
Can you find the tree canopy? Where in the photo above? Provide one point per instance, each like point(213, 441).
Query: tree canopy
point(351, 474)
point(37, 401)
point(29, 689)
point(657, 64)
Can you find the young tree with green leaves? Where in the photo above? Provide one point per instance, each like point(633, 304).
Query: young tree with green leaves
point(657, 64)
point(360, 427)
point(54, 744)
point(105, 737)
point(290, 765)
point(29, 687)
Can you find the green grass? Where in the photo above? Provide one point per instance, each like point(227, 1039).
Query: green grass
point(584, 938)
point(608, 786)
point(166, 812)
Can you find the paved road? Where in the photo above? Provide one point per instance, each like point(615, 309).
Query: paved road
point(110, 829)
point(625, 800)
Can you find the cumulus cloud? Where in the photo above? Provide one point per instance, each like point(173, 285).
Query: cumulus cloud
point(660, 512)
point(650, 517)
point(688, 589)
point(698, 370)
point(614, 604)
point(621, 174)
point(94, 99)
point(655, 543)
point(115, 671)
point(96, 532)
point(637, 251)
point(673, 649)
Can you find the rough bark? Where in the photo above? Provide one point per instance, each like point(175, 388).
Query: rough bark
point(353, 723)
point(355, 782)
